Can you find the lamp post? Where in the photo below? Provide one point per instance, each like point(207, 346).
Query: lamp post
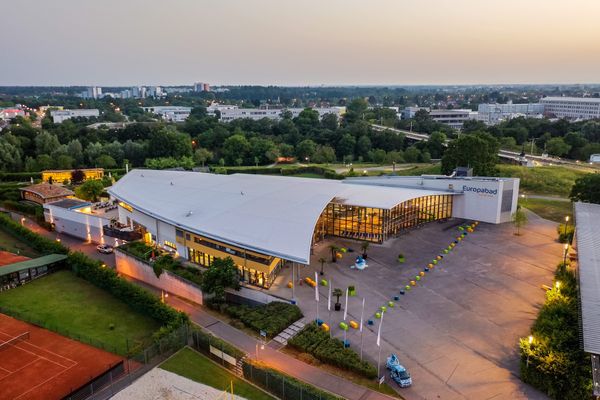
point(566, 225)
point(565, 254)
point(557, 284)
point(529, 350)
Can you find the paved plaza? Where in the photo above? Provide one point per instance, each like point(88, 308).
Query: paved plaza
point(457, 329)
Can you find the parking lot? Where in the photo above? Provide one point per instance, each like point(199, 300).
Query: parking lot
point(457, 329)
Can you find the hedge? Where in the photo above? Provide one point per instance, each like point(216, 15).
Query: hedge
point(37, 242)
point(271, 318)
point(554, 361)
point(19, 176)
point(139, 299)
point(315, 341)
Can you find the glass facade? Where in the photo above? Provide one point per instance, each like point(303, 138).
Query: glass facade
point(376, 224)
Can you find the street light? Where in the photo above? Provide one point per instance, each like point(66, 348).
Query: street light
point(557, 284)
point(566, 225)
point(565, 255)
point(529, 350)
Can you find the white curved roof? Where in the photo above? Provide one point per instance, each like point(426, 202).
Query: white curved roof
point(273, 215)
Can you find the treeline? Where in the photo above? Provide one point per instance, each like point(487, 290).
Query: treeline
point(202, 139)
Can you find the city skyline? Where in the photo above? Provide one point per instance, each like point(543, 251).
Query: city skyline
point(308, 43)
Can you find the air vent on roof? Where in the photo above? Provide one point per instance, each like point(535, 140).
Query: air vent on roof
point(171, 183)
point(189, 213)
point(242, 193)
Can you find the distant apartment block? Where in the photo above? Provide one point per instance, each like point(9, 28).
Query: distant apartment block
point(231, 114)
point(494, 113)
point(571, 107)
point(201, 87)
point(58, 116)
point(214, 107)
point(170, 113)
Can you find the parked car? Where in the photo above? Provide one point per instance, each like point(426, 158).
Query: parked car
point(104, 249)
point(397, 372)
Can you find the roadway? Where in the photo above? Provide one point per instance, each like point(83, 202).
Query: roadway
point(506, 154)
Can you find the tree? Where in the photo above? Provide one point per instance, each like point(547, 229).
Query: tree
point(334, 249)
point(169, 142)
point(202, 155)
point(235, 147)
point(363, 146)
point(64, 161)
point(586, 189)
point(436, 143)
point(77, 176)
point(75, 150)
point(557, 147)
point(519, 219)
point(305, 150)
point(364, 246)
point(90, 190)
point(324, 155)
point(322, 260)
point(46, 143)
point(106, 161)
point(412, 155)
point(337, 292)
point(221, 274)
point(346, 145)
point(478, 151)
point(10, 156)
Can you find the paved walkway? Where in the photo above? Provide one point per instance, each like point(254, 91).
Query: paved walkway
point(275, 359)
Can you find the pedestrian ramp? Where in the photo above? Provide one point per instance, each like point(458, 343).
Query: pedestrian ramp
point(289, 332)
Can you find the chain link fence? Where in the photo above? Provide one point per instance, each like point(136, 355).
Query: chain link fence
point(282, 386)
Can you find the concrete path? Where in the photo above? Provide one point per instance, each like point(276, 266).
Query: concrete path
point(275, 359)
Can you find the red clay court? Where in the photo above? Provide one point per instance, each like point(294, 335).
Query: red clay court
point(43, 364)
point(7, 258)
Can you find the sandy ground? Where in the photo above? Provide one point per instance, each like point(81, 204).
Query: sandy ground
point(159, 384)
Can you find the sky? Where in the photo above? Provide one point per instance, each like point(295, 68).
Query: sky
point(300, 42)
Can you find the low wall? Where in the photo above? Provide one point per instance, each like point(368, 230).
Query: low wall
point(168, 281)
point(251, 296)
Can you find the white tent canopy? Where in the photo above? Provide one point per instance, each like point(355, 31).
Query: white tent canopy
point(272, 215)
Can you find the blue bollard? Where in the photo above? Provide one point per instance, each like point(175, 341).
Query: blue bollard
point(402, 291)
point(370, 322)
point(396, 298)
point(319, 322)
point(426, 269)
point(346, 343)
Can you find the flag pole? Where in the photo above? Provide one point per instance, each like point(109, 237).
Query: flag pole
point(317, 294)
point(362, 312)
point(379, 344)
point(329, 306)
point(345, 315)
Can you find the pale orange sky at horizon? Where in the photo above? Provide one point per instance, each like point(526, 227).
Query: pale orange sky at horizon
point(309, 42)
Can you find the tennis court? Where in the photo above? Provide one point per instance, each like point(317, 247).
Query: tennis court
point(38, 364)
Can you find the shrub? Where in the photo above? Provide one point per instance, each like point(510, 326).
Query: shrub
point(271, 318)
point(308, 358)
point(37, 242)
point(554, 362)
point(565, 234)
point(331, 351)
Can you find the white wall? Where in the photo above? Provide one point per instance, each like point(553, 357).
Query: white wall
point(83, 226)
point(168, 282)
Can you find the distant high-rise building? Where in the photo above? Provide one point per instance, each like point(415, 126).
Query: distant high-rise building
point(201, 87)
point(92, 92)
point(155, 91)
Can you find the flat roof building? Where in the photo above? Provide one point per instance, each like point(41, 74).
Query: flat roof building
point(59, 116)
point(261, 221)
point(170, 113)
point(572, 107)
point(61, 175)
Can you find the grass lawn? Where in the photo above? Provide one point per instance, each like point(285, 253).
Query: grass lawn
point(555, 181)
point(14, 245)
point(553, 210)
point(74, 307)
point(193, 365)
